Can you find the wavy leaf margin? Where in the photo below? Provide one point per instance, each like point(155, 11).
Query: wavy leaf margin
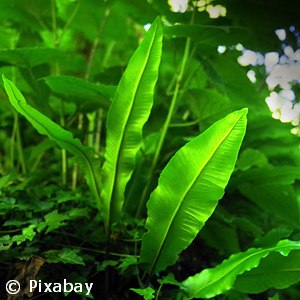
point(212, 282)
point(127, 115)
point(189, 189)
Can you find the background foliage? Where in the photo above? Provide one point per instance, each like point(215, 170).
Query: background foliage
point(67, 57)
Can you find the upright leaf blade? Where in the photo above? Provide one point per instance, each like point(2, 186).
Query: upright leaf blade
point(62, 137)
point(189, 189)
point(128, 113)
point(215, 281)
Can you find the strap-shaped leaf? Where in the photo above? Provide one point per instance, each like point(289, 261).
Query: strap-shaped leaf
point(274, 271)
point(62, 137)
point(188, 190)
point(127, 115)
point(215, 281)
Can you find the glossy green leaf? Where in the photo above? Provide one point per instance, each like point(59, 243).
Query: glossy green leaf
point(62, 137)
point(189, 189)
point(128, 113)
point(81, 92)
point(212, 282)
point(274, 271)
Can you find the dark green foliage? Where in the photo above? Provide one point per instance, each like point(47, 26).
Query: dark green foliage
point(103, 115)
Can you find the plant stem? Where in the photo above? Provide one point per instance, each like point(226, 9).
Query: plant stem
point(99, 251)
point(86, 77)
point(186, 124)
point(165, 126)
point(19, 144)
point(16, 136)
point(95, 44)
point(54, 25)
point(59, 39)
point(56, 71)
point(75, 168)
point(91, 126)
point(107, 54)
point(63, 151)
point(12, 144)
point(158, 291)
point(98, 131)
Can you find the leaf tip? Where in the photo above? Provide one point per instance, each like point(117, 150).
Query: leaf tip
point(244, 111)
point(157, 23)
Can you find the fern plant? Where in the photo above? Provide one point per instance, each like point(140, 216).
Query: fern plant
point(188, 189)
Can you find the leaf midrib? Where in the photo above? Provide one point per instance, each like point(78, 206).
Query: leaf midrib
point(183, 199)
point(22, 103)
point(119, 150)
point(268, 250)
point(280, 270)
